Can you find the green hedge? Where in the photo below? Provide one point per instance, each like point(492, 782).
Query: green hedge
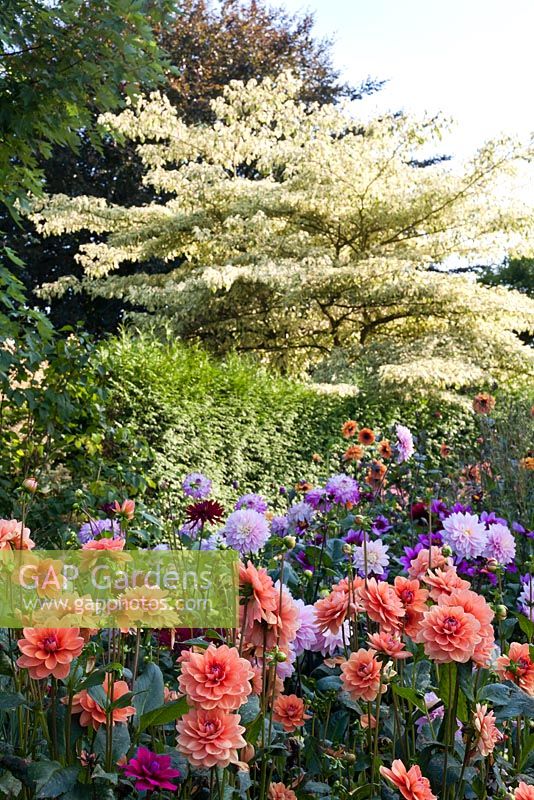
point(236, 422)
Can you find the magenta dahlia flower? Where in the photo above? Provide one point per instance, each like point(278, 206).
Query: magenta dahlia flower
point(151, 771)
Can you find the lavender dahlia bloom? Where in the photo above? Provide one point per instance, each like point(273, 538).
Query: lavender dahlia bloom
point(377, 558)
point(196, 485)
point(500, 544)
point(254, 501)
point(343, 489)
point(97, 527)
point(300, 513)
point(405, 446)
point(279, 526)
point(328, 643)
point(318, 500)
point(246, 531)
point(191, 529)
point(306, 633)
point(465, 534)
point(525, 601)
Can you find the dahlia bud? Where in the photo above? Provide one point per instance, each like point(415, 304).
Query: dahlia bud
point(30, 484)
point(308, 573)
point(349, 758)
point(446, 550)
point(324, 593)
point(501, 612)
point(248, 753)
point(290, 542)
point(359, 520)
point(492, 565)
point(388, 672)
point(347, 549)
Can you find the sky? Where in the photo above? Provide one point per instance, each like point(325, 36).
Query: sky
point(472, 60)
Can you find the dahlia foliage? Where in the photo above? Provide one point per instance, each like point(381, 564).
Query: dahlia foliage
point(312, 238)
point(383, 649)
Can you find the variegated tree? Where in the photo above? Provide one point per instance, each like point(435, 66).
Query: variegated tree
point(314, 240)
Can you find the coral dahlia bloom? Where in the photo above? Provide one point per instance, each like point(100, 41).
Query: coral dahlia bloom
point(216, 678)
point(280, 628)
point(278, 791)
point(444, 582)
point(410, 593)
point(331, 611)
point(210, 737)
point(476, 605)
point(428, 559)
point(487, 734)
point(49, 651)
point(525, 791)
point(92, 714)
point(517, 667)
point(258, 595)
point(14, 536)
point(361, 675)
point(288, 709)
point(410, 783)
point(449, 633)
point(105, 544)
point(382, 604)
point(389, 644)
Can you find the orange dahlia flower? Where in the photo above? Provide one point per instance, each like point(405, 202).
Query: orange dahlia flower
point(288, 709)
point(382, 604)
point(449, 633)
point(410, 783)
point(49, 651)
point(361, 675)
point(210, 737)
point(483, 403)
point(92, 714)
point(278, 791)
point(349, 429)
point(487, 733)
point(217, 678)
point(384, 448)
point(366, 436)
point(518, 667)
point(353, 453)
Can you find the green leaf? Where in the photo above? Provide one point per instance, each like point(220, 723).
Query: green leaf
point(120, 745)
point(11, 700)
point(164, 714)
point(148, 689)
point(411, 695)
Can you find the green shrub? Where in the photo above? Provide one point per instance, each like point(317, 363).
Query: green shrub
point(240, 424)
